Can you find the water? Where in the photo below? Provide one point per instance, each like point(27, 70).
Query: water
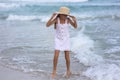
point(27, 45)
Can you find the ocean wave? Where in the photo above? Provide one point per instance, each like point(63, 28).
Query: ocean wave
point(44, 18)
point(3, 17)
point(27, 18)
point(53, 0)
point(75, 4)
point(8, 5)
point(103, 72)
point(113, 49)
point(32, 4)
point(23, 59)
point(99, 68)
point(99, 4)
point(83, 47)
point(73, 0)
point(82, 17)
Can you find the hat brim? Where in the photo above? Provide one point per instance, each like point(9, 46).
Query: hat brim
point(63, 13)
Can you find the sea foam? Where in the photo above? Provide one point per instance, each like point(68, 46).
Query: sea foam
point(99, 68)
point(8, 5)
point(83, 47)
point(27, 18)
point(104, 72)
point(74, 0)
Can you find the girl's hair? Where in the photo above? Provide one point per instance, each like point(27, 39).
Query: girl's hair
point(55, 23)
point(55, 26)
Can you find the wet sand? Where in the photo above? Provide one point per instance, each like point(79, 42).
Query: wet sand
point(10, 74)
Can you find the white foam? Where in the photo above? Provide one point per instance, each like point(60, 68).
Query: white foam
point(104, 72)
point(44, 18)
point(26, 18)
point(74, 0)
point(94, 17)
point(23, 59)
point(8, 5)
point(83, 47)
point(111, 41)
point(113, 49)
point(53, 0)
point(100, 68)
point(115, 60)
point(21, 17)
point(115, 56)
point(32, 70)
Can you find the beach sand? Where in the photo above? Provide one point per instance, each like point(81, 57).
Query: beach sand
point(7, 73)
point(10, 74)
point(18, 74)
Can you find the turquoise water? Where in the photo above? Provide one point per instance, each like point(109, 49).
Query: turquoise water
point(38, 11)
point(26, 44)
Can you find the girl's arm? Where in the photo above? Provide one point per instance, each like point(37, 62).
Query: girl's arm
point(73, 21)
point(50, 21)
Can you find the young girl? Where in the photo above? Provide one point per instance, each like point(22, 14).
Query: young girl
point(61, 24)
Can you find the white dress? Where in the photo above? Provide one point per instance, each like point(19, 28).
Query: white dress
point(62, 41)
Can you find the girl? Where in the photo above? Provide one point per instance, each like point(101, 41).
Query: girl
point(61, 24)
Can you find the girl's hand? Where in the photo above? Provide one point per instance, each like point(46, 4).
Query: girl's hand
point(54, 14)
point(73, 17)
point(72, 21)
point(52, 20)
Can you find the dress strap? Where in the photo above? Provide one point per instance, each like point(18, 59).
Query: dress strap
point(58, 20)
point(66, 20)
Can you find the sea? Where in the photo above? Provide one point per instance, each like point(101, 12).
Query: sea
point(26, 44)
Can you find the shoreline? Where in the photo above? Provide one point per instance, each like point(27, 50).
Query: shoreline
point(16, 74)
point(11, 74)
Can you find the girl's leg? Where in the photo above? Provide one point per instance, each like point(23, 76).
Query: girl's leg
point(55, 60)
point(67, 57)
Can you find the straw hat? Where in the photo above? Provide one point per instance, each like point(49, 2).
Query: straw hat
point(64, 10)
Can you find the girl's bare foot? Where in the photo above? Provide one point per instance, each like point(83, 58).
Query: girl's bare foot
point(68, 74)
point(53, 75)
